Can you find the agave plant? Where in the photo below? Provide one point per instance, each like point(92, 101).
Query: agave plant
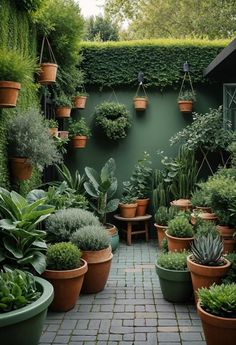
point(207, 250)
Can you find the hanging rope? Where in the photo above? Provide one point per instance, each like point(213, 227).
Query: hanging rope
point(52, 57)
point(186, 78)
point(138, 89)
point(113, 94)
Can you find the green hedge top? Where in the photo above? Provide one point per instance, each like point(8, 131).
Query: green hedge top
point(118, 63)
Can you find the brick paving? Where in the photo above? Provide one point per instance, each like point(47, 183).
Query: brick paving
point(129, 311)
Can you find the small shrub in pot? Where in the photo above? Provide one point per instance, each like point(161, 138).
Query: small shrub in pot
point(63, 256)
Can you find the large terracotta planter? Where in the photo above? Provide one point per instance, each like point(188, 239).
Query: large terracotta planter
point(21, 168)
point(67, 285)
point(217, 330)
point(79, 141)
point(9, 93)
point(62, 112)
point(185, 106)
point(128, 210)
point(205, 276)
point(99, 264)
point(229, 242)
point(141, 207)
point(182, 204)
point(79, 102)
point(178, 244)
point(140, 103)
point(161, 233)
point(47, 74)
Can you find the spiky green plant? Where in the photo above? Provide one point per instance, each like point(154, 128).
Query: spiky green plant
point(207, 250)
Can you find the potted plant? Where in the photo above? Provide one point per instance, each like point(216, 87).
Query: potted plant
point(94, 243)
point(185, 101)
point(201, 199)
point(47, 70)
point(128, 203)
point(23, 307)
point(206, 263)
point(162, 217)
point(216, 308)
point(101, 187)
point(113, 119)
point(179, 233)
point(14, 70)
point(62, 106)
point(79, 132)
point(79, 101)
point(30, 143)
point(65, 270)
point(174, 276)
point(53, 126)
point(140, 103)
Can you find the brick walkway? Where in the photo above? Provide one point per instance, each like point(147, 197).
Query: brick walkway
point(130, 311)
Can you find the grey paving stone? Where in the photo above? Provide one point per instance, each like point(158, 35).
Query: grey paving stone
point(47, 337)
point(190, 336)
point(68, 324)
point(168, 337)
point(62, 339)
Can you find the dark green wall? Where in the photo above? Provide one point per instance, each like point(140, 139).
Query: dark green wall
point(150, 130)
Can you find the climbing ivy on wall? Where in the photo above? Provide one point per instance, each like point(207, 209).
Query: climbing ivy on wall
point(118, 63)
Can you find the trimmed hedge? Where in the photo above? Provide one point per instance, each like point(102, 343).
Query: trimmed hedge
point(118, 63)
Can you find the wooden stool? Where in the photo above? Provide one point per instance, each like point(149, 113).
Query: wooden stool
point(132, 221)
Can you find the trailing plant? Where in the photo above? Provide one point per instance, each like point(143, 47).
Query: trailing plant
point(60, 225)
point(101, 187)
point(18, 289)
point(180, 227)
point(187, 95)
point(219, 300)
point(113, 119)
point(62, 101)
point(63, 256)
point(29, 138)
point(164, 214)
point(176, 261)
point(91, 238)
point(79, 127)
point(22, 244)
point(207, 250)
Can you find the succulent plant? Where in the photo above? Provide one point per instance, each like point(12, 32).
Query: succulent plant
point(63, 256)
point(91, 238)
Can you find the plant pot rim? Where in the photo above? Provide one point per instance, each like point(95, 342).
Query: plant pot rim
point(219, 319)
point(160, 226)
point(140, 98)
point(181, 202)
point(63, 107)
point(30, 310)
point(10, 84)
point(80, 96)
point(227, 263)
point(67, 274)
point(183, 101)
point(49, 64)
point(169, 270)
point(77, 137)
point(179, 238)
point(128, 205)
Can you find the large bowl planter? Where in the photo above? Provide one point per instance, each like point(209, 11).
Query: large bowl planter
point(99, 264)
point(161, 233)
point(62, 112)
point(79, 102)
point(24, 326)
point(176, 286)
point(21, 168)
point(178, 244)
point(128, 210)
point(48, 73)
point(67, 286)
point(182, 204)
point(185, 106)
point(205, 276)
point(217, 330)
point(113, 232)
point(79, 141)
point(140, 103)
point(9, 93)
point(142, 207)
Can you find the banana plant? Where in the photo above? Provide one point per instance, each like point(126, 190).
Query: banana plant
point(101, 187)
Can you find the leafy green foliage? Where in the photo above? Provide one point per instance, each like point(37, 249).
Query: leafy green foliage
point(28, 5)
point(219, 300)
point(51, 123)
point(75, 182)
point(63, 256)
point(91, 238)
point(113, 119)
point(200, 197)
point(63, 101)
point(164, 214)
point(21, 244)
point(176, 261)
point(17, 289)
point(102, 187)
point(207, 250)
point(179, 226)
point(187, 96)
point(79, 127)
point(128, 194)
point(60, 225)
point(100, 29)
point(161, 61)
point(206, 227)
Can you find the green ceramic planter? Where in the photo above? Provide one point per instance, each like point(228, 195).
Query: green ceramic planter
point(115, 242)
point(176, 286)
point(24, 326)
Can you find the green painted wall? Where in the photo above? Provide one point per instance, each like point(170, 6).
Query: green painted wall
point(150, 130)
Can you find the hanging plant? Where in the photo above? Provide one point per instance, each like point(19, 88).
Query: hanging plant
point(48, 70)
point(186, 96)
point(140, 102)
point(114, 119)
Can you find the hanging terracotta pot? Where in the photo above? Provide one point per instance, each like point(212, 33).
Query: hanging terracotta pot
point(79, 102)
point(140, 103)
point(79, 141)
point(48, 73)
point(185, 106)
point(128, 210)
point(178, 244)
point(161, 234)
point(182, 204)
point(8, 93)
point(62, 112)
point(142, 207)
point(21, 168)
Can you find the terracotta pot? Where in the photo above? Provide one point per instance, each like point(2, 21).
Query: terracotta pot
point(204, 209)
point(79, 141)
point(67, 286)
point(111, 229)
point(21, 168)
point(161, 229)
point(63, 134)
point(48, 73)
point(99, 264)
point(142, 207)
point(62, 112)
point(217, 330)
point(182, 204)
point(53, 132)
point(128, 210)
point(140, 103)
point(204, 216)
point(205, 276)
point(8, 93)
point(227, 236)
point(79, 102)
point(178, 244)
point(185, 106)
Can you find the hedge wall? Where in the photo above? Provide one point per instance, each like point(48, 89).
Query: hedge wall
point(118, 63)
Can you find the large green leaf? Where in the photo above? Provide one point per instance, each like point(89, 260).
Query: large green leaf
point(18, 200)
point(7, 224)
point(39, 262)
point(112, 205)
point(35, 195)
point(93, 177)
point(91, 190)
point(108, 170)
point(13, 247)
